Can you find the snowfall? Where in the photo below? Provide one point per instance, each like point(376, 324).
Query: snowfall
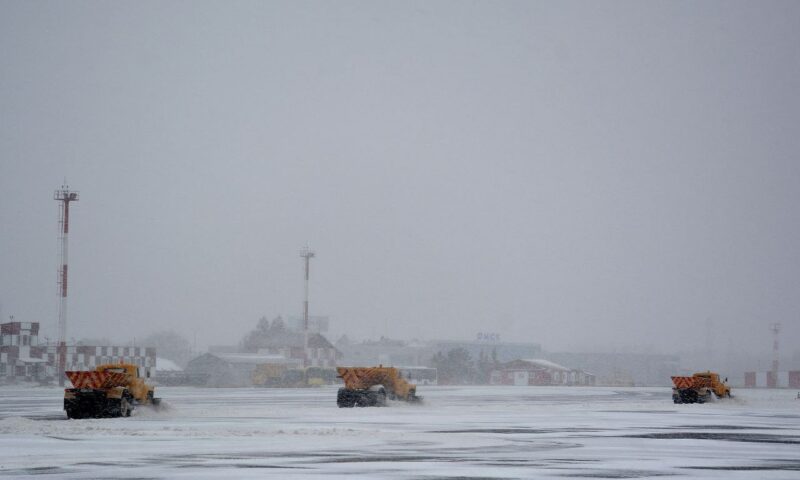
point(455, 433)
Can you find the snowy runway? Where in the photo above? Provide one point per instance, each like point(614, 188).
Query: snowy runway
point(458, 432)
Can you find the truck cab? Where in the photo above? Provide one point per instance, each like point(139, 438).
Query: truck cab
point(142, 393)
point(720, 388)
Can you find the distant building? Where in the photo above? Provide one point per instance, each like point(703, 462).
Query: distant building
point(285, 348)
point(420, 375)
point(22, 358)
point(223, 348)
point(391, 352)
point(170, 373)
point(623, 369)
point(488, 347)
point(231, 369)
point(538, 372)
point(384, 351)
point(290, 345)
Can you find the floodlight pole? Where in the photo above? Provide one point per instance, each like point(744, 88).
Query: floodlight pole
point(307, 254)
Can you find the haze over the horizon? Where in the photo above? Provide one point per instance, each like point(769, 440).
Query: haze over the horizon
point(586, 175)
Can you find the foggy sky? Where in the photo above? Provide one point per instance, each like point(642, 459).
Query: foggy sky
point(586, 175)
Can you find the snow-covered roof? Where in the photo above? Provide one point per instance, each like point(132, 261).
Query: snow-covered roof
point(546, 364)
point(31, 360)
point(166, 365)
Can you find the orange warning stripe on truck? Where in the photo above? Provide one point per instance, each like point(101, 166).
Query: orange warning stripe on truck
point(97, 380)
point(691, 382)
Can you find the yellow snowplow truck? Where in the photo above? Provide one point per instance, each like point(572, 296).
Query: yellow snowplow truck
point(110, 390)
point(699, 388)
point(371, 386)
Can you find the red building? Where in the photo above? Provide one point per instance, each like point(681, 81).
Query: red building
point(538, 372)
point(789, 379)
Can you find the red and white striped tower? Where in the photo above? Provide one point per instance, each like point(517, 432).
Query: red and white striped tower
point(307, 254)
point(65, 196)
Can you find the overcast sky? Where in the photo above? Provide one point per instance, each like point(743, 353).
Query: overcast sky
point(586, 175)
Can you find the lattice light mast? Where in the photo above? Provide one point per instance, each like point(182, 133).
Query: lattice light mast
point(307, 254)
point(65, 196)
point(776, 330)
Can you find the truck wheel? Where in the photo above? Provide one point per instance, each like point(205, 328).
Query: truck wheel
point(345, 398)
point(110, 410)
point(379, 398)
point(362, 400)
point(688, 396)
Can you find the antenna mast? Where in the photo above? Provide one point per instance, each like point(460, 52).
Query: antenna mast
point(65, 196)
point(776, 330)
point(307, 254)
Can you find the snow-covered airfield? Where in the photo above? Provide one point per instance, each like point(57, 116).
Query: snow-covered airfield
point(458, 432)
